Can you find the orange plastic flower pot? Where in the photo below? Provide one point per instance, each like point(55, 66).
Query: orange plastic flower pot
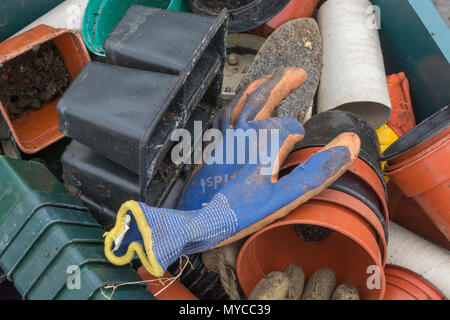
point(403, 284)
point(426, 178)
point(407, 213)
point(35, 130)
point(351, 250)
point(359, 208)
point(295, 9)
point(402, 119)
point(359, 168)
point(175, 291)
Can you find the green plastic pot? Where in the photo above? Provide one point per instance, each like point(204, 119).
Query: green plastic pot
point(44, 218)
point(34, 262)
point(127, 292)
point(101, 17)
point(94, 276)
point(44, 230)
point(55, 278)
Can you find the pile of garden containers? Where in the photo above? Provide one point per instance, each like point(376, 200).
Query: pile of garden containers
point(91, 92)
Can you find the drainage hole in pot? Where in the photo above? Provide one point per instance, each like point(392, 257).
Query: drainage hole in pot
point(312, 233)
point(32, 79)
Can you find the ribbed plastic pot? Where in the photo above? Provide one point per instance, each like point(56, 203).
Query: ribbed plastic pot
point(244, 14)
point(424, 174)
point(353, 75)
point(361, 177)
point(324, 127)
point(102, 16)
point(175, 291)
point(47, 234)
point(406, 212)
point(403, 284)
point(35, 130)
point(294, 10)
point(349, 250)
point(204, 284)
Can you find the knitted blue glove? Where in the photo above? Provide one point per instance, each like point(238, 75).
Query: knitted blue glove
point(248, 195)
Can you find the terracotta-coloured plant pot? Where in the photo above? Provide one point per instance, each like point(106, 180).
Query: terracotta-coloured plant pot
point(350, 249)
point(402, 119)
point(403, 284)
point(425, 177)
point(407, 213)
point(295, 9)
point(359, 168)
point(35, 130)
point(176, 291)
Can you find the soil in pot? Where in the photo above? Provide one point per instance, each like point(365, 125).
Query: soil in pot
point(32, 79)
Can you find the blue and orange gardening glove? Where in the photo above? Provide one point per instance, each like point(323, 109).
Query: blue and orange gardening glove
point(238, 193)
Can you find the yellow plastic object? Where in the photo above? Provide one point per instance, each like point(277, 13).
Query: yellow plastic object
point(386, 137)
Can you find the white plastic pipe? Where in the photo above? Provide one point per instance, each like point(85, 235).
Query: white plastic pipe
point(353, 75)
point(410, 251)
point(69, 15)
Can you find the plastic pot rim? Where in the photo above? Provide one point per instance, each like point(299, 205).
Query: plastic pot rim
point(419, 135)
point(414, 279)
point(291, 219)
point(374, 181)
point(244, 18)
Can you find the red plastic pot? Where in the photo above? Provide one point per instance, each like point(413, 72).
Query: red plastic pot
point(349, 250)
point(176, 291)
point(35, 130)
point(403, 284)
point(295, 9)
point(359, 168)
point(425, 177)
point(407, 213)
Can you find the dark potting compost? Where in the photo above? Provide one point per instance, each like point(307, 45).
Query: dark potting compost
point(33, 79)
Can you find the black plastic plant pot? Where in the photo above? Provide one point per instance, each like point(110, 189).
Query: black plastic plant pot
point(425, 131)
point(325, 126)
point(105, 185)
point(244, 14)
point(204, 284)
point(127, 111)
point(356, 187)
